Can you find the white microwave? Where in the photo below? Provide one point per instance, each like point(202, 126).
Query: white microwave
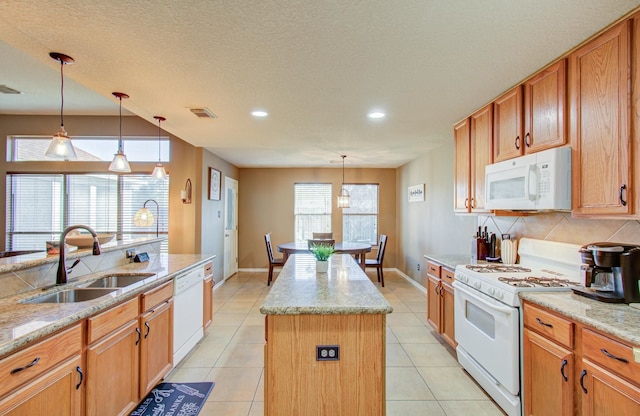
point(538, 181)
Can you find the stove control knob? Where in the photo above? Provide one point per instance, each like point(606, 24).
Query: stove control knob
point(492, 291)
point(477, 285)
point(499, 294)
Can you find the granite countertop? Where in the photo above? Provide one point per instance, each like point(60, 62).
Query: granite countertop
point(344, 289)
point(26, 261)
point(618, 319)
point(449, 260)
point(22, 323)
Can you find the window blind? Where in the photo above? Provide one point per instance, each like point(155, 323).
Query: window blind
point(312, 209)
point(360, 220)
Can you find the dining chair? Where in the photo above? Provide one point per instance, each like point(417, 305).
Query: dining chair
point(273, 262)
point(377, 262)
point(322, 236)
point(322, 241)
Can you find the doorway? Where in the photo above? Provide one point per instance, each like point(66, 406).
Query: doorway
point(230, 266)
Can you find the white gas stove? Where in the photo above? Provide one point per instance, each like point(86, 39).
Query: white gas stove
point(488, 313)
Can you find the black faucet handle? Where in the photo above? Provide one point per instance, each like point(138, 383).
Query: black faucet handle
point(96, 246)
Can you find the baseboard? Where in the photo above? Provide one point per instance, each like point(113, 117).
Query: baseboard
point(410, 280)
point(254, 270)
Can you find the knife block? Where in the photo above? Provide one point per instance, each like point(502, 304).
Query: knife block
point(479, 248)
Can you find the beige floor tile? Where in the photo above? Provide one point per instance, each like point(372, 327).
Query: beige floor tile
point(430, 355)
point(234, 384)
point(219, 334)
point(397, 357)
point(390, 336)
point(257, 409)
point(259, 397)
point(228, 319)
point(188, 375)
point(399, 306)
point(418, 307)
point(249, 334)
point(405, 383)
point(403, 319)
point(471, 408)
point(414, 334)
point(451, 383)
point(205, 354)
point(242, 355)
point(213, 408)
point(254, 319)
point(414, 408)
point(236, 307)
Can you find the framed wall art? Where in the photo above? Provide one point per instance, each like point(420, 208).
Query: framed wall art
point(214, 184)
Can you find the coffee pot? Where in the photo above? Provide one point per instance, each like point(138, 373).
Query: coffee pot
point(611, 271)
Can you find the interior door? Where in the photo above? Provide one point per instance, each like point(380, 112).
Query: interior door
point(230, 227)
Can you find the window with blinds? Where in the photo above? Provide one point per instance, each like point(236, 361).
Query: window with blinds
point(312, 209)
point(40, 206)
point(360, 220)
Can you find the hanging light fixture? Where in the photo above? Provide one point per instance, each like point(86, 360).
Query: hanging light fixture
point(343, 197)
point(119, 162)
point(159, 171)
point(61, 146)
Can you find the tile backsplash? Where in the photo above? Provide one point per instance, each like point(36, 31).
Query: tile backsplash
point(560, 226)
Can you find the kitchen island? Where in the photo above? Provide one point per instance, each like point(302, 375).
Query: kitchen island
point(325, 340)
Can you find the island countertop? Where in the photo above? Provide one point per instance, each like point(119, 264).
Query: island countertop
point(344, 289)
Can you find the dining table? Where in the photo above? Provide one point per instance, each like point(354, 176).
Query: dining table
point(358, 250)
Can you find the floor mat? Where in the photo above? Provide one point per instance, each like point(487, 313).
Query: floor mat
point(172, 399)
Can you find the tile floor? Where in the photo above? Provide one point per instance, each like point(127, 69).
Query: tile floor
point(423, 376)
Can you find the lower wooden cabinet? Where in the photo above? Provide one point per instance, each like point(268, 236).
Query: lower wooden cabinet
point(571, 369)
point(58, 392)
point(156, 346)
point(112, 372)
point(440, 302)
point(207, 310)
point(548, 376)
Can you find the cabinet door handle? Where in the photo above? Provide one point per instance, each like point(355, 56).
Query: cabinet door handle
point(79, 370)
point(541, 322)
point(526, 140)
point(564, 364)
point(608, 354)
point(517, 142)
point(473, 205)
point(582, 376)
point(138, 332)
point(622, 201)
point(436, 289)
point(148, 330)
point(466, 202)
point(31, 364)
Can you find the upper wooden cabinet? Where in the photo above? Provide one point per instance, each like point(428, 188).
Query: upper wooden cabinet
point(530, 117)
point(473, 143)
point(599, 90)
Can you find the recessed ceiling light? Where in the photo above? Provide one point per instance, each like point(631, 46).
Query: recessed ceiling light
point(259, 113)
point(376, 115)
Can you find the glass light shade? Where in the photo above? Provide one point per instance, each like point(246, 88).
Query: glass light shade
point(119, 163)
point(343, 199)
point(61, 146)
point(143, 218)
point(159, 172)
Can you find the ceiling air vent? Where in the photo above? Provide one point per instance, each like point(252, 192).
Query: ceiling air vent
point(6, 90)
point(203, 113)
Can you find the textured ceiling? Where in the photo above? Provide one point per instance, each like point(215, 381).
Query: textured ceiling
point(317, 67)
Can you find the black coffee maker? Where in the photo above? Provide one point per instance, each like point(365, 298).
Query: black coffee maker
point(611, 272)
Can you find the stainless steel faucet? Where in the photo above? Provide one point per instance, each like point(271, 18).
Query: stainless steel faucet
point(61, 277)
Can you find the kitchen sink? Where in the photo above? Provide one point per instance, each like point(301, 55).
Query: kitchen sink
point(119, 280)
point(72, 295)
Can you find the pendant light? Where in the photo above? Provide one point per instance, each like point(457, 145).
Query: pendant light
point(159, 171)
point(343, 197)
point(61, 146)
point(119, 162)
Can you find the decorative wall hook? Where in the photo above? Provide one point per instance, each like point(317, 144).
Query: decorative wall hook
point(185, 194)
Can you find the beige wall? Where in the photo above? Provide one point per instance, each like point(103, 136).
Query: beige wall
point(266, 205)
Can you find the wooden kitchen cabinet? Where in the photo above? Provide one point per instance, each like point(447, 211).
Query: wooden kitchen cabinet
point(207, 310)
point(156, 345)
point(473, 142)
point(599, 91)
point(113, 355)
point(440, 301)
point(531, 117)
point(599, 377)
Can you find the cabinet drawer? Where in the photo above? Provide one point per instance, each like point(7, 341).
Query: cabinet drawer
point(433, 269)
point(208, 269)
point(610, 354)
point(39, 358)
point(448, 276)
point(106, 322)
point(554, 327)
point(156, 296)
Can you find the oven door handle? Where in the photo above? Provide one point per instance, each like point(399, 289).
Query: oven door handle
point(503, 309)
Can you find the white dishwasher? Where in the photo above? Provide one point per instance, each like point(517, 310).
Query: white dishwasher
point(187, 313)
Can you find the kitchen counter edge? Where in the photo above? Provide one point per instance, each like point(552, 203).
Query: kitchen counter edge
point(449, 260)
point(14, 314)
point(617, 319)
